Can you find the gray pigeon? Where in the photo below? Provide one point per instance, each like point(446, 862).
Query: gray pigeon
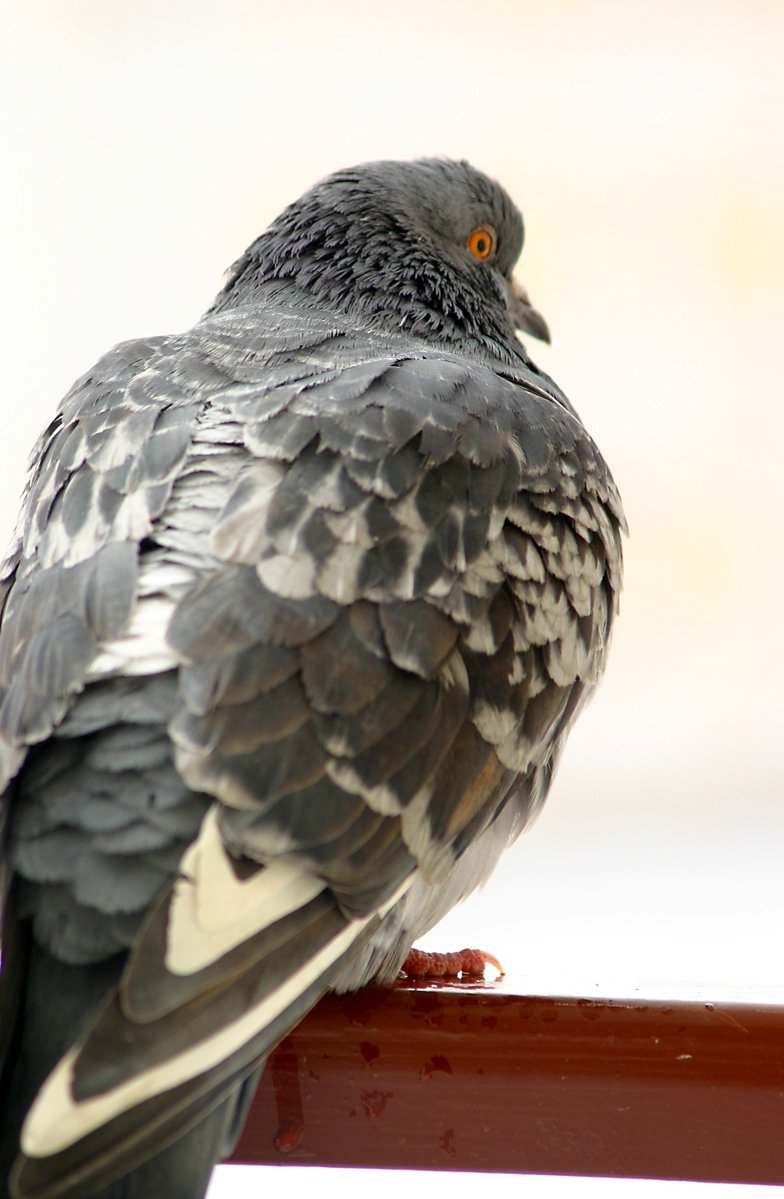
point(302, 606)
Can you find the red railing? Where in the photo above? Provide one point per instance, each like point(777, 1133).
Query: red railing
point(475, 1077)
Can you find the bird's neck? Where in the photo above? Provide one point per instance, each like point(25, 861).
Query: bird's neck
point(252, 284)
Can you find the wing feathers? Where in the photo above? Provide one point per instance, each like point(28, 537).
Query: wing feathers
point(212, 910)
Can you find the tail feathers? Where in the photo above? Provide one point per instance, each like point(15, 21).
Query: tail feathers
point(197, 1129)
point(44, 1013)
point(170, 1047)
point(53, 1002)
point(182, 1170)
point(119, 1129)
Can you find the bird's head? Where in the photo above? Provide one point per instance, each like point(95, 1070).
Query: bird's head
point(427, 247)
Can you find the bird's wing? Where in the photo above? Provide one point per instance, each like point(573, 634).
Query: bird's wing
point(386, 588)
point(100, 475)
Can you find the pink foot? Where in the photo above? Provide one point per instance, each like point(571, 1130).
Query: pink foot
point(466, 962)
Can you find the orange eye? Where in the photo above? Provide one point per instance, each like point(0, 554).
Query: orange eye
point(482, 241)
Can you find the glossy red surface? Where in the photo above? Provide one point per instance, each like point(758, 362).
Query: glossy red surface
point(470, 1077)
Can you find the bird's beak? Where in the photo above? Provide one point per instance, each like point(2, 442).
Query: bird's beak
point(524, 315)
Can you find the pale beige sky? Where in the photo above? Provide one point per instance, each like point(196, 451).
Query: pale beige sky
point(144, 144)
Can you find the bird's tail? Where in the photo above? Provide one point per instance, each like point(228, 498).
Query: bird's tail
point(226, 963)
point(44, 1004)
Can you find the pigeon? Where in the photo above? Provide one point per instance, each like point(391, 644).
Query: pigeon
point(301, 607)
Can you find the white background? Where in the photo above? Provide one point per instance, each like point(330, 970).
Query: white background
point(145, 144)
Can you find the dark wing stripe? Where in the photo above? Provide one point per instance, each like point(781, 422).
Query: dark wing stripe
point(418, 637)
point(236, 678)
point(244, 727)
point(340, 675)
point(260, 775)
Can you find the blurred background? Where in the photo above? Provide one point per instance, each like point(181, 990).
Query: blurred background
point(145, 144)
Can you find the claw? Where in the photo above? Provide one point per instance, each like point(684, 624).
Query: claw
point(468, 963)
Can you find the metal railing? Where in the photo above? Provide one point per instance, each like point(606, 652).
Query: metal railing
point(475, 1077)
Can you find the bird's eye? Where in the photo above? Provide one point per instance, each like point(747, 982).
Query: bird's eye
point(482, 241)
